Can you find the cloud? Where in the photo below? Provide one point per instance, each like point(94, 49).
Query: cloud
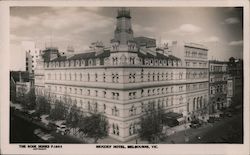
point(63, 25)
point(236, 43)
point(186, 29)
point(212, 39)
point(231, 20)
point(139, 29)
point(17, 22)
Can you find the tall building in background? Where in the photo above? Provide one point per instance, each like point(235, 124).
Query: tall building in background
point(126, 80)
point(195, 60)
point(235, 71)
point(32, 54)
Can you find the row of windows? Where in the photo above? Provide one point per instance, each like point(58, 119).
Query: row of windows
point(94, 106)
point(192, 87)
point(218, 89)
point(218, 79)
point(196, 103)
point(214, 68)
point(195, 64)
point(74, 63)
point(131, 95)
point(196, 75)
point(115, 61)
point(196, 54)
point(115, 76)
point(82, 91)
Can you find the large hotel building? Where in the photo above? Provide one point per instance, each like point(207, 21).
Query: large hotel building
point(127, 78)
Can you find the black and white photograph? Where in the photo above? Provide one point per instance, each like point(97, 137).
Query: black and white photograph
point(126, 76)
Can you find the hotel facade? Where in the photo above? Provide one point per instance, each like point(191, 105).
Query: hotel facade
point(128, 78)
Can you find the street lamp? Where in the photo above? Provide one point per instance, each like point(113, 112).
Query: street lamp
point(185, 126)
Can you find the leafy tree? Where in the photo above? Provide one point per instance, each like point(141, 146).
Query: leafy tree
point(94, 126)
point(12, 91)
point(73, 117)
point(21, 92)
point(30, 99)
point(151, 126)
point(43, 105)
point(59, 112)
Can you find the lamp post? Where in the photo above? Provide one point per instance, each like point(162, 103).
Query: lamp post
point(185, 126)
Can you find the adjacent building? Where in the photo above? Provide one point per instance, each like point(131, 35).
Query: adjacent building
point(20, 84)
point(32, 54)
point(218, 84)
point(128, 78)
point(235, 71)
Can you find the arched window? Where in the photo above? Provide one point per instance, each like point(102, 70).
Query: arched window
point(142, 107)
point(194, 104)
point(62, 64)
point(96, 107)
point(90, 62)
point(96, 77)
point(132, 110)
point(115, 111)
point(88, 77)
point(77, 63)
point(104, 108)
point(82, 63)
point(81, 77)
point(89, 107)
point(132, 129)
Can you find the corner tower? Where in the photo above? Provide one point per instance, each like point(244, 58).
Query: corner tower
point(123, 32)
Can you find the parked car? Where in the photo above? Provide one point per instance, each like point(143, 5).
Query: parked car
point(62, 129)
point(228, 114)
point(217, 118)
point(211, 120)
point(195, 124)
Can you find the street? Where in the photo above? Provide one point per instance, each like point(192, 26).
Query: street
point(22, 131)
point(227, 130)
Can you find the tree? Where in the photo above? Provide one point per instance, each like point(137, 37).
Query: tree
point(59, 112)
point(73, 118)
point(43, 105)
point(21, 92)
point(30, 99)
point(94, 126)
point(151, 126)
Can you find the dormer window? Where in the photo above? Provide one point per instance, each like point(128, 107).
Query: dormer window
point(90, 62)
point(82, 63)
point(77, 63)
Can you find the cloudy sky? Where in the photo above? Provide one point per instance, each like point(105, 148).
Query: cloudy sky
point(220, 29)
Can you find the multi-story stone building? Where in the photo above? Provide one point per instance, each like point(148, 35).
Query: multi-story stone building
point(194, 58)
point(218, 78)
point(126, 80)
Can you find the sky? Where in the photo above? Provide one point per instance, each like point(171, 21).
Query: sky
point(218, 28)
